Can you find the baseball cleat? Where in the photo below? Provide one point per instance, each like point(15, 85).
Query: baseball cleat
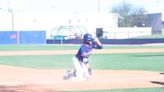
point(68, 75)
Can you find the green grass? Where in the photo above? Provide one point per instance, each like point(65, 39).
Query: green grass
point(38, 61)
point(64, 47)
point(129, 90)
point(37, 47)
point(148, 36)
point(130, 47)
point(133, 61)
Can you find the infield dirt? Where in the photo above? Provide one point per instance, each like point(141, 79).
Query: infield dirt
point(18, 79)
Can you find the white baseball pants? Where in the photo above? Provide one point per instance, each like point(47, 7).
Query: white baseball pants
point(81, 69)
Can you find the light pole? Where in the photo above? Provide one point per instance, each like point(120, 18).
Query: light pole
point(98, 8)
point(11, 10)
point(12, 14)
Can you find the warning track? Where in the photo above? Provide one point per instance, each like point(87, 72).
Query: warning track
point(62, 52)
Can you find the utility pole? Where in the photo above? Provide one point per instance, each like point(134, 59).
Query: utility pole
point(10, 10)
point(98, 8)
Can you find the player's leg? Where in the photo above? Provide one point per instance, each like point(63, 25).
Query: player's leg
point(85, 71)
point(86, 62)
point(89, 68)
point(78, 68)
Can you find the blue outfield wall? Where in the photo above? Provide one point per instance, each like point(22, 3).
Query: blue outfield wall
point(22, 37)
point(32, 37)
point(110, 41)
point(133, 41)
point(8, 37)
point(69, 41)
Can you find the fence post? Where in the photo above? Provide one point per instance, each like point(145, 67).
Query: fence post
point(18, 38)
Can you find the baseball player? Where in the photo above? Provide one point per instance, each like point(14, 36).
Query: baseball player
point(80, 60)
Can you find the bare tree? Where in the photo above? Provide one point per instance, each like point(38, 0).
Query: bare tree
point(129, 15)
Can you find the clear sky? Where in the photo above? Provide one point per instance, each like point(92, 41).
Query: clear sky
point(78, 5)
point(69, 6)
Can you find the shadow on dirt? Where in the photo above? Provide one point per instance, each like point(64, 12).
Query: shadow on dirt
point(157, 82)
point(24, 88)
point(161, 73)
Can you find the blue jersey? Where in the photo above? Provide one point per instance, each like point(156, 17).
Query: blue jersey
point(85, 49)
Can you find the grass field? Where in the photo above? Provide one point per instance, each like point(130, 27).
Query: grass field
point(135, 61)
point(65, 47)
point(130, 90)
point(148, 36)
point(130, 61)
